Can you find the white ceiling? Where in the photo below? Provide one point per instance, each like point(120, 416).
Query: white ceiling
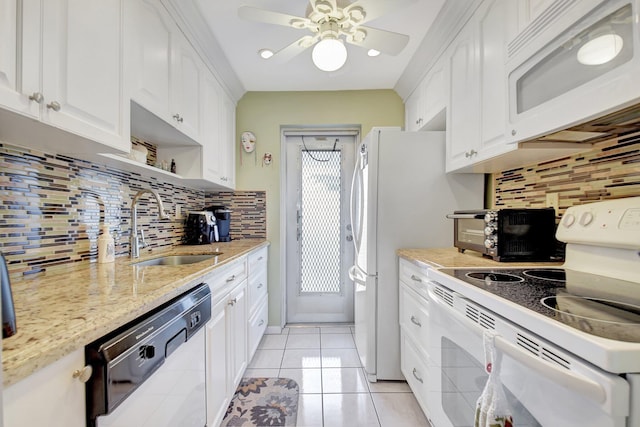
point(240, 41)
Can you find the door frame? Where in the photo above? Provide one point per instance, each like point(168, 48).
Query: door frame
point(284, 129)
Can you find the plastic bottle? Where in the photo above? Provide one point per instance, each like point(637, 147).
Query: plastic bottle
point(106, 246)
point(173, 166)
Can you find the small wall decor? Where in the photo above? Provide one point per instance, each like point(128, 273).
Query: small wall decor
point(267, 159)
point(248, 144)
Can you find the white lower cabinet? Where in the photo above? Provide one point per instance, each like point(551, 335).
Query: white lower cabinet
point(258, 298)
point(50, 397)
point(414, 329)
point(237, 335)
point(257, 326)
point(217, 379)
point(235, 328)
point(415, 368)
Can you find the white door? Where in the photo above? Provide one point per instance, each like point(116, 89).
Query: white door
point(319, 167)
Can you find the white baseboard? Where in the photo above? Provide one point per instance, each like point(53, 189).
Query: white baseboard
point(273, 330)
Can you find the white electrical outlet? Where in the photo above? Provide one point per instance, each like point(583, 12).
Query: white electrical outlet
point(552, 202)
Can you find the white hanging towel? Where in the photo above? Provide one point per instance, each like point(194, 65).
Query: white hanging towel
point(492, 408)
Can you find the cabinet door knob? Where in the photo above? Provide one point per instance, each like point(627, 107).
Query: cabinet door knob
point(231, 279)
point(261, 322)
point(416, 278)
point(37, 97)
point(513, 132)
point(83, 374)
point(54, 105)
point(232, 301)
point(178, 118)
point(259, 286)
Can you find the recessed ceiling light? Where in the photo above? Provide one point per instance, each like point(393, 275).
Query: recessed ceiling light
point(373, 52)
point(265, 53)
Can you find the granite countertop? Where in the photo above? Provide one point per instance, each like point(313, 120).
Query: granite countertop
point(451, 258)
point(64, 309)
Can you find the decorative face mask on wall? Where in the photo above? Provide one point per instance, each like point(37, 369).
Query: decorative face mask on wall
point(248, 140)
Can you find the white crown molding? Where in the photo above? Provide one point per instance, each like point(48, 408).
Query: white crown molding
point(202, 39)
point(450, 20)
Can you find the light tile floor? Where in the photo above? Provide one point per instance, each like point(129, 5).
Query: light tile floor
point(333, 389)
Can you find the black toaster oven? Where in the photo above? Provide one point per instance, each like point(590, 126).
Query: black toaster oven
point(507, 234)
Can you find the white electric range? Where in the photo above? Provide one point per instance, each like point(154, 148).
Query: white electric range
point(570, 336)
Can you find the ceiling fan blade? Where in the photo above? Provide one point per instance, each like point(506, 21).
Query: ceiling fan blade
point(270, 17)
point(384, 41)
point(377, 8)
point(294, 49)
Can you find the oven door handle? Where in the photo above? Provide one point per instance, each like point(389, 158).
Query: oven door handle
point(558, 375)
point(466, 216)
point(574, 382)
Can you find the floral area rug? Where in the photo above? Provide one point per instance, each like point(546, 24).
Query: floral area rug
point(263, 402)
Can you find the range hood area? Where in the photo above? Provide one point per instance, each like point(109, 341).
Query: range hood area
point(563, 143)
point(619, 123)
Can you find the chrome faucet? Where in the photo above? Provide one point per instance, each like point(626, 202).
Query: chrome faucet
point(136, 242)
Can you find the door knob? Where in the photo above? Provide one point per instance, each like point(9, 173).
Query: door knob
point(349, 238)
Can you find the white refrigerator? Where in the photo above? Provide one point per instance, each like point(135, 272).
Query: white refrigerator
point(399, 198)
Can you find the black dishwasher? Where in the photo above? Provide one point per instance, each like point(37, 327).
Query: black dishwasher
point(135, 354)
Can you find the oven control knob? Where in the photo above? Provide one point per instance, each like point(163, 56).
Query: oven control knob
point(586, 219)
point(147, 352)
point(489, 230)
point(568, 220)
point(490, 243)
point(490, 216)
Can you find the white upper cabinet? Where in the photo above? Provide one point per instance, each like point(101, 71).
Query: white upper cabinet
point(493, 88)
point(10, 95)
point(211, 122)
point(463, 113)
point(165, 69)
point(186, 88)
point(65, 69)
point(427, 101)
point(228, 142)
point(149, 33)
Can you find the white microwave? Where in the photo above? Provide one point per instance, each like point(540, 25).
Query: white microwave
point(576, 66)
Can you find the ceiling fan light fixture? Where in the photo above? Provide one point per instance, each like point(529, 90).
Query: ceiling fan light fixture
point(265, 53)
point(373, 53)
point(329, 54)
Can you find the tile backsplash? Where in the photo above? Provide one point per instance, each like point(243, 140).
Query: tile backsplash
point(53, 205)
point(610, 170)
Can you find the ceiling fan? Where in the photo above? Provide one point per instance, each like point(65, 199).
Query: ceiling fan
point(328, 21)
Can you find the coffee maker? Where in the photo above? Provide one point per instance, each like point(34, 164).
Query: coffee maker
point(223, 220)
point(201, 228)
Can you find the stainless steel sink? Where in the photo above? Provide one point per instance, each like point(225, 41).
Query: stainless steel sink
point(175, 260)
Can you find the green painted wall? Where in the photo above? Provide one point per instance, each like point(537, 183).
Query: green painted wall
point(264, 113)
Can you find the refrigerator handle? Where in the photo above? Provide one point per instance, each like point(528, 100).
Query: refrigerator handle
point(357, 230)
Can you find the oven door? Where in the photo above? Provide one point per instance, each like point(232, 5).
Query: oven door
point(539, 392)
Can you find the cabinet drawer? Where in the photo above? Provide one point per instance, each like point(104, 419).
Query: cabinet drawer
point(257, 326)
point(414, 366)
point(257, 259)
point(414, 315)
point(414, 276)
point(227, 277)
point(257, 287)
